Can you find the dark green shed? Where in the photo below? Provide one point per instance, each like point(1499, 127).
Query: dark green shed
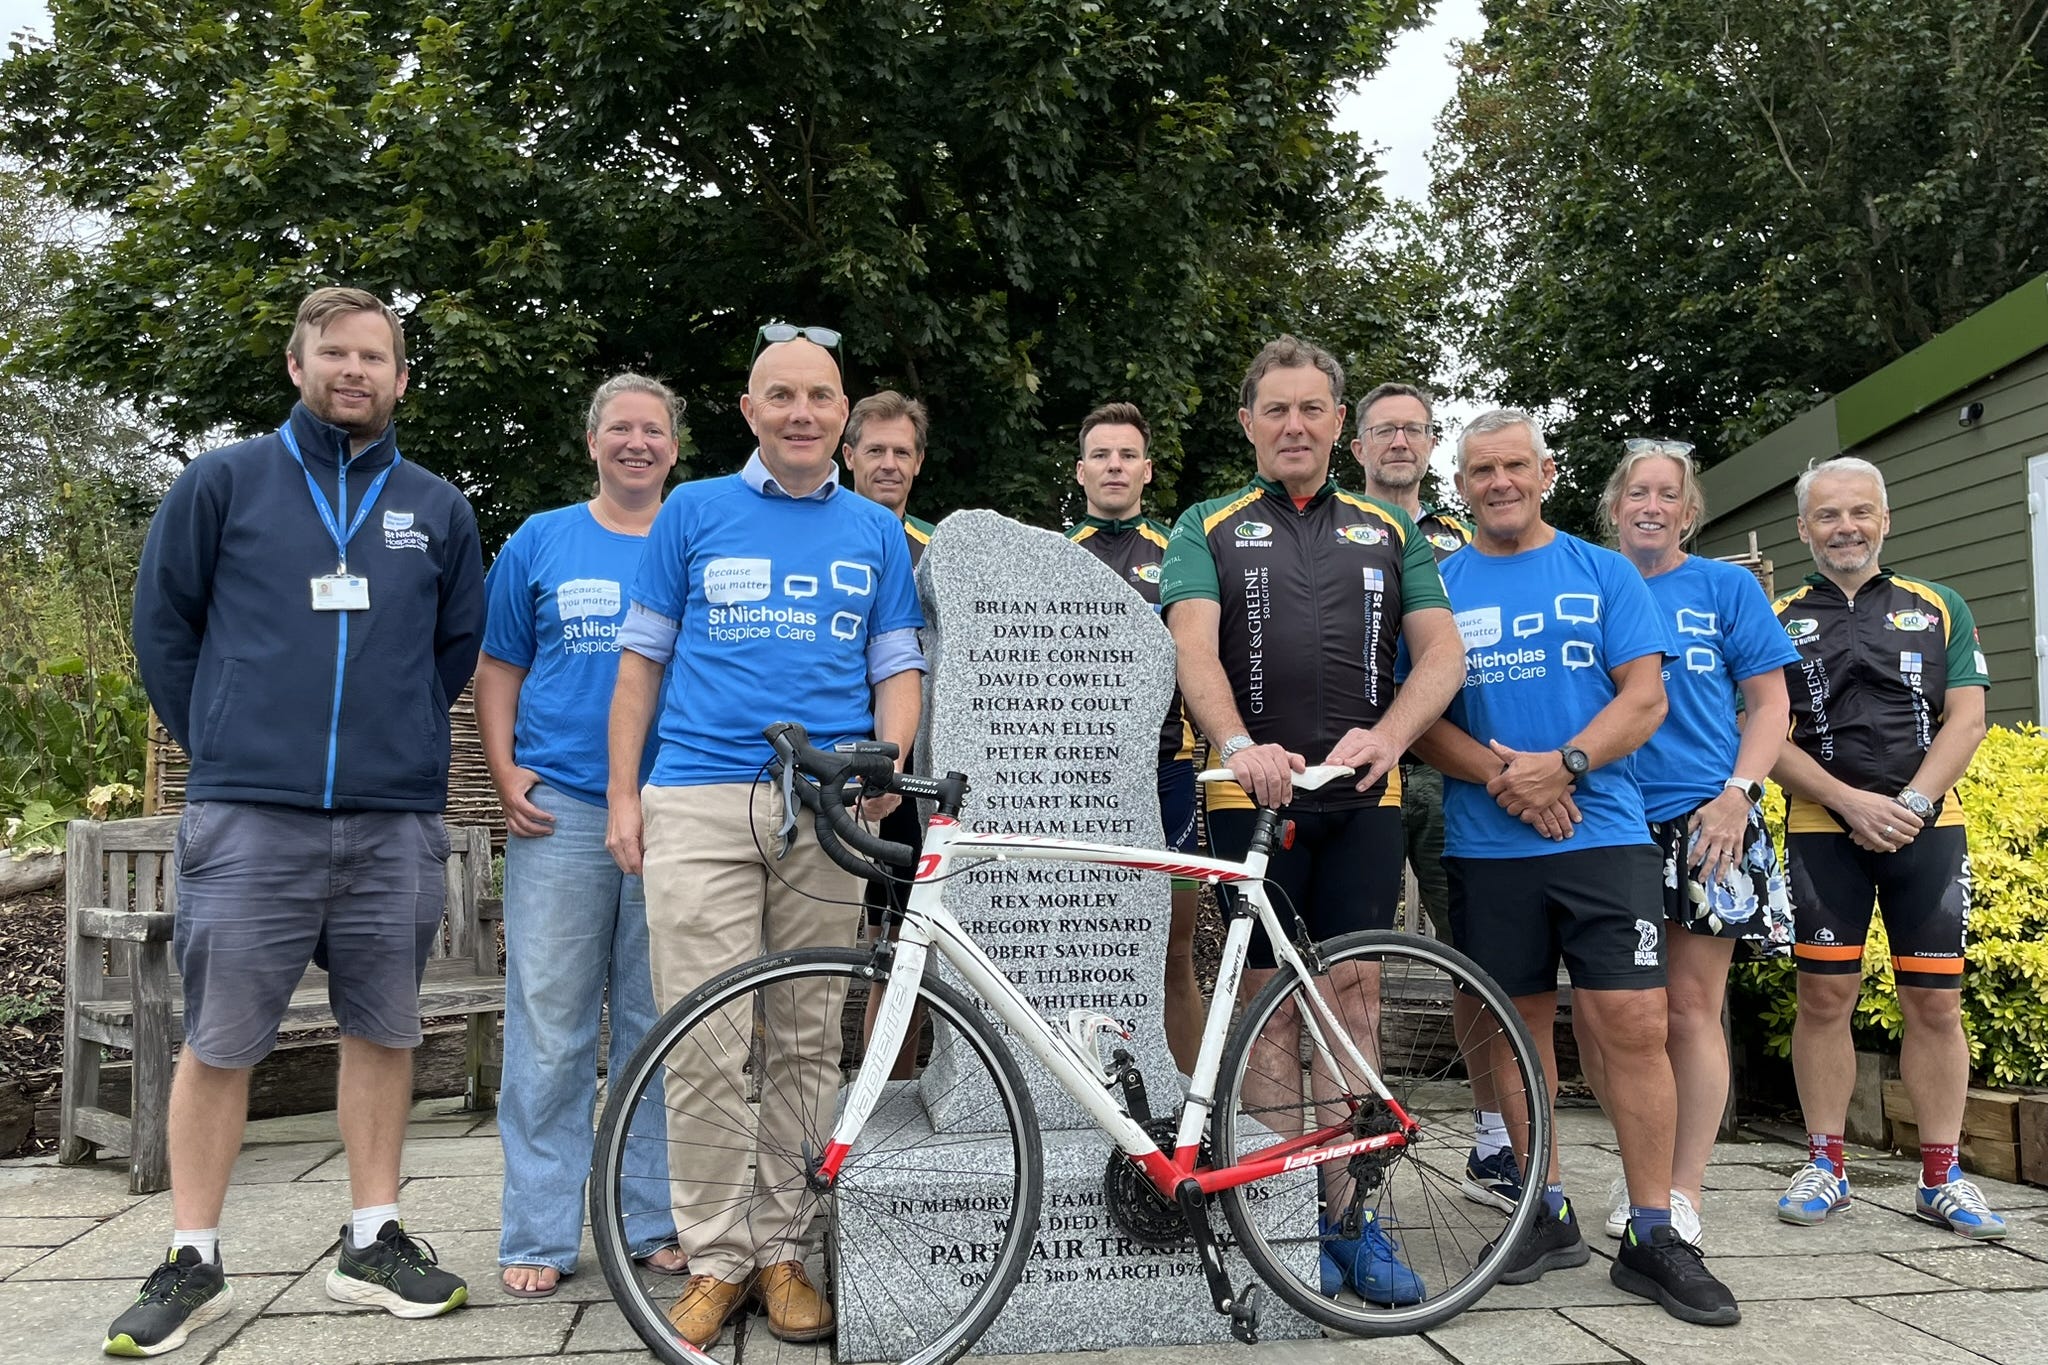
point(1959, 428)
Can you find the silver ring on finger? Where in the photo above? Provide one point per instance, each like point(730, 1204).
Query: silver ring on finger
point(1888, 831)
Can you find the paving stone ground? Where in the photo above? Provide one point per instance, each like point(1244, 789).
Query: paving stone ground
point(1873, 1285)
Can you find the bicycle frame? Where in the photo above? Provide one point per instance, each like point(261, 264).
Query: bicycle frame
point(928, 925)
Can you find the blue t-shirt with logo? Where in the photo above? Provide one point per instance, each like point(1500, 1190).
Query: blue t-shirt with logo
point(775, 600)
point(555, 598)
point(1724, 633)
point(1542, 630)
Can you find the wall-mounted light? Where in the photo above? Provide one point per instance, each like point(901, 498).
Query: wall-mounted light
point(1971, 413)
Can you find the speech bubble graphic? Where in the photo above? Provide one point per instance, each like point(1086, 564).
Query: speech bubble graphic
point(1578, 653)
point(1692, 622)
point(852, 577)
point(845, 625)
point(800, 585)
point(1480, 627)
point(576, 598)
point(1700, 659)
point(737, 580)
point(1528, 625)
point(1582, 607)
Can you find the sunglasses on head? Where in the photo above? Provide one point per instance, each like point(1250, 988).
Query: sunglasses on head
point(1645, 445)
point(777, 332)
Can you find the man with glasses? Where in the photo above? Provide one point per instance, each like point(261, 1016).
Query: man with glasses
point(1286, 600)
point(767, 595)
point(1113, 471)
point(1397, 434)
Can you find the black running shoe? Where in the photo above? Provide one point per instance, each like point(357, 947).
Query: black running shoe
point(180, 1295)
point(396, 1273)
point(1670, 1270)
point(1551, 1243)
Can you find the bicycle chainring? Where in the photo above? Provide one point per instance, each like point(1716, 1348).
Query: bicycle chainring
point(1138, 1210)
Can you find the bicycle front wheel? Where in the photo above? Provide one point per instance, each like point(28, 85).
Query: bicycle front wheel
point(1404, 1238)
point(717, 1127)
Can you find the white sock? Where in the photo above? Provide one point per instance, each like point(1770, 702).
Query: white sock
point(1491, 1133)
point(205, 1241)
point(365, 1224)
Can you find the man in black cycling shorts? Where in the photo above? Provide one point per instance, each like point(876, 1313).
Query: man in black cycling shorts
point(1286, 600)
point(1113, 470)
point(1547, 848)
point(1887, 711)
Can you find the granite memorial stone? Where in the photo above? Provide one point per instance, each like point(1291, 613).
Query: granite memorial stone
point(1049, 681)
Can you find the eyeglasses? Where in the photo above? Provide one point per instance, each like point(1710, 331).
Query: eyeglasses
point(1416, 432)
point(1645, 445)
point(776, 332)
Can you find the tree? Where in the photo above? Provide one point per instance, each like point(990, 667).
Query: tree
point(1676, 216)
point(1014, 209)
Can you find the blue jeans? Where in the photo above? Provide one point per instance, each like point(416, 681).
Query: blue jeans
point(575, 929)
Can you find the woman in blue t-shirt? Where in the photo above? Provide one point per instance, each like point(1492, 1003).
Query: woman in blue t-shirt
point(575, 926)
point(1702, 777)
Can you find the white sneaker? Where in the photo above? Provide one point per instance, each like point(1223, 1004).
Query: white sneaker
point(1685, 1216)
point(1685, 1219)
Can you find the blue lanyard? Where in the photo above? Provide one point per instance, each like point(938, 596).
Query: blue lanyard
point(326, 509)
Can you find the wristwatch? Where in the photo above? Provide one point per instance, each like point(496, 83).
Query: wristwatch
point(1235, 744)
point(1575, 761)
point(1916, 803)
point(1753, 790)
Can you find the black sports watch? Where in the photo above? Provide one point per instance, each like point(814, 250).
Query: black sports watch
point(1576, 764)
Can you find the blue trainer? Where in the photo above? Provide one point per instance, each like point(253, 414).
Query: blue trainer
point(1495, 1181)
point(1369, 1265)
point(1817, 1191)
point(1959, 1205)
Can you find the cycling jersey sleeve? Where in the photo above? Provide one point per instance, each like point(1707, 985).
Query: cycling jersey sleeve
point(1965, 653)
point(1421, 585)
point(1189, 569)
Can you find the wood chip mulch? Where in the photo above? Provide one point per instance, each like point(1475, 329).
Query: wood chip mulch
point(31, 969)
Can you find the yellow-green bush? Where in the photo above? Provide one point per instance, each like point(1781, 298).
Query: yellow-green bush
point(2004, 798)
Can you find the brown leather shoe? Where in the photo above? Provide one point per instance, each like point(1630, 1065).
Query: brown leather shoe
point(796, 1310)
point(699, 1315)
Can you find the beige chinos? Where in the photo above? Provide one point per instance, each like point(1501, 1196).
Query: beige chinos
point(716, 898)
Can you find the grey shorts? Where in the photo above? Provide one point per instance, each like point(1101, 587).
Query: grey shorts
point(264, 890)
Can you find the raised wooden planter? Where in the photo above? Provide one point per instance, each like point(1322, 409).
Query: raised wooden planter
point(1991, 1129)
point(2033, 1117)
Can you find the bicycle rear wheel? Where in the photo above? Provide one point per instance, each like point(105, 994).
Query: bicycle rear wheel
point(1421, 1243)
point(919, 1240)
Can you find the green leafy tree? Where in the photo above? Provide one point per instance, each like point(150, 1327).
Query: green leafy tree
point(1014, 209)
point(1676, 216)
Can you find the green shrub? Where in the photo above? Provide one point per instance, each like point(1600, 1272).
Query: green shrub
point(72, 743)
point(2004, 798)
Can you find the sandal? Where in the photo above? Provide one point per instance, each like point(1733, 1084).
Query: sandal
point(664, 1260)
point(537, 1291)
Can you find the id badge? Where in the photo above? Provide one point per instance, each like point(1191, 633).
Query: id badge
point(341, 592)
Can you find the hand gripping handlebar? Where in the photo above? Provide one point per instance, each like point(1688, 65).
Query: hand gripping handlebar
point(819, 781)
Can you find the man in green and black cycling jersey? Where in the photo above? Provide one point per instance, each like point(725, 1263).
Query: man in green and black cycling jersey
point(1113, 469)
point(1887, 711)
point(1286, 600)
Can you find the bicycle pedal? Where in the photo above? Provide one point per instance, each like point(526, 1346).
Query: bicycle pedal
point(1244, 1315)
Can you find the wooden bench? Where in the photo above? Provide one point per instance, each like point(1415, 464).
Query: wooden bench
point(120, 988)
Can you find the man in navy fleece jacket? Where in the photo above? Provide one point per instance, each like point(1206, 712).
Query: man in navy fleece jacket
point(310, 603)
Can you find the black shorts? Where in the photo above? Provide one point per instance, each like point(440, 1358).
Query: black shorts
point(1342, 875)
point(1600, 910)
point(1923, 890)
point(904, 826)
point(1749, 905)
